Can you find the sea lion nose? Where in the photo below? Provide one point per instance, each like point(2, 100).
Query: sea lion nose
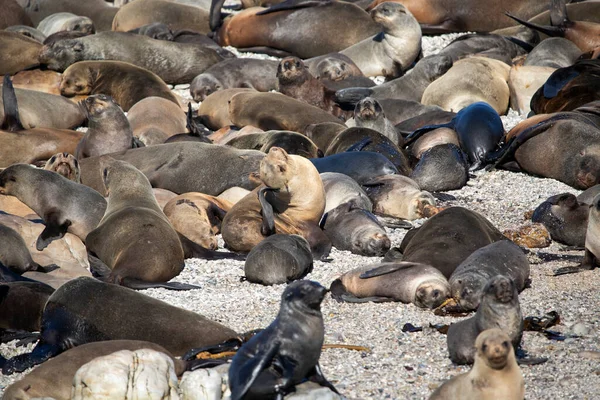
point(287, 64)
point(65, 154)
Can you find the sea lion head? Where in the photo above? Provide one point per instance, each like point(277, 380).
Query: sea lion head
point(494, 348)
point(97, 106)
point(275, 168)
point(368, 109)
point(588, 171)
point(58, 56)
point(467, 290)
point(303, 295)
point(387, 12)
point(81, 24)
point(117, 173)
point(500, 289)
point(561, 215)
point(10, 177)
point(292, 69)
point(431, 294)
point(204, 85)
point(76, 81)
point(66, 165)
point(333, 69)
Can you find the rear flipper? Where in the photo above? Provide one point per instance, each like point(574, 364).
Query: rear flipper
point(24, 337)
point(230, 345)
point(316, 375)
point(293, 5)
point(22, 362)
point(137, 284)
point(394, 222)
point(339, 293)
point(12, 121)
point(194, 250)
point(589, 262)
point(54, 229)
point(547, 30)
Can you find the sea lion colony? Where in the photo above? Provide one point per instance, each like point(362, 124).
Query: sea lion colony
point(295, 181)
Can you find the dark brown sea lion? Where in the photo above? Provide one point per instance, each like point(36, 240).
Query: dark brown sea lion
point(311, 30)
point(15, 255)
point(18, 52)
point(176, 16)
point(291, 142)
point(22, 304)
point(124, 82)
point(66, 165)
point(69, 320)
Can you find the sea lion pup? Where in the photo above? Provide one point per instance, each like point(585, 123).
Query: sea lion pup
point(269, 111)
point(499, 308)
point(64, 164)
point(124, 82)
point(54, 378)
point(279, 259)
point(583, 34)
point(98, 10)
point(340, 188)
point(155, 119)
point(295, 81)
point(353, 228)
point(13, 14)
point(523, 82)
point(499, 258)
point(399, 196)
point(448, 238)
point(553, 53)
point(333, 67)
point(27, 31)
point(155, 30)
point(198, 217)
point(291, 142)
point(566, 218)
point(287, 352)
point(293, 204)
point(22, 304)
point(441, 168)
point(65, 21)
point(368, 113)
point(393, 50)
point(235, 73)
point(495, 373)
point(85, 310)
point(362, 166)
point(134, 244)
point(109, 130)
point(15, 255)
point(63, 204)
point(407, 282)
point(174, 63)
point(18, 52)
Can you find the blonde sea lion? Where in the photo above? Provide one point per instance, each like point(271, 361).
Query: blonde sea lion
point(66, 165)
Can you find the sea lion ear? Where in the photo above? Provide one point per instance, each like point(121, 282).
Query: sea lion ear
point(78, 47)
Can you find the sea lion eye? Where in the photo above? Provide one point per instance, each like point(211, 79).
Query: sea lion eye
point(505, 344)
point(297, 64)
point(436, 293)
point(52, 159)
point(105, 173)
point(484, 347)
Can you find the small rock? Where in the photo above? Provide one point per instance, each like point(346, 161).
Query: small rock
point(580, 329)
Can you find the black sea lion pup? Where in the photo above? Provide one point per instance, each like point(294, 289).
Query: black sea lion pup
point(134, 244)
point(287, 352)
point(565, 217)
point(62, 204)
point(64, 164)
point(109, 130)
point(15, 255)
point(442, 167)
point(495, 373)
point(499, 308)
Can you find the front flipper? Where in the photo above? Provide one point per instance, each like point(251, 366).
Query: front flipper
point(137, 284)
point(54, 229)
point(394, 222)
point(421, 131)
point(387, 269)
point(98, 268)
point(226, 346)
point(24, 337)
point(194, 250)
point(359, 146)
point(252, 369)
point(268, 215)
point(293, 5)
point(316, 375)
point(46, 268)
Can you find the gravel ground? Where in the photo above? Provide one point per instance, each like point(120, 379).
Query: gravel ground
point(410, 365)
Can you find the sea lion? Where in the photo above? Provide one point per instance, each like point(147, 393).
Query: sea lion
point(352, 228)
point(499, 308)
point(565, 217)
point(66, 165)
point(98, 10)
point(168, 166)
point(134, 244)
point(235, 73)
point(214, 110)
point(471, 80)
point(431, 139)
point(340, 188)
point(407, 282)
point(310, 30)
point(295, 81)
point(279, 259)
point(362, 166)
point(155, 119)
point(499, 258)
point(15, 255)
point(523, 82)
point(479, 130)
point(198, 217)
point(124, 82)
point(322, 134)
point(441, 168)
point(590, 259)
point(369, 113)
point(19, 52)
point(294, 205)
point(177, 16)
point(63, 204)
point(275, 111)
point(64, 35)
point(333, 67)
point(448, 238)
point(173, 62)
point(108, 128)
point(553, 53)
point(399, 196)
point(291, 142)
point(54, 378)
point(22, 304)
point(65, 21)
point(292, 342)
point(27, 31)
point(38, 80)
point(391, 51)
point(69, 307)
point(155, 30)
point(13, 14)
point(486, 45)
point(495, 373)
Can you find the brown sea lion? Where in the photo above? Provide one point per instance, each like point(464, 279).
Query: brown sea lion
point(38, 80)
point(108, 128)
point(65, 21)
point(155, 119)
point(369, 113)
point(13, 14)
point(566, 218)
point(176, 16)
point(18, 52)
point(333, 67)
point(22, 304)
point(294, 205)
point(66, 165)
point(124, 82)
point(291, 142)
point(214, 110)
point(98, 10)
point(495, 373)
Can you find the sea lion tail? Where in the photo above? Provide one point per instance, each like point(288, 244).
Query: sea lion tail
point(214, 20)
point(11, 121)
point(548, 30)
